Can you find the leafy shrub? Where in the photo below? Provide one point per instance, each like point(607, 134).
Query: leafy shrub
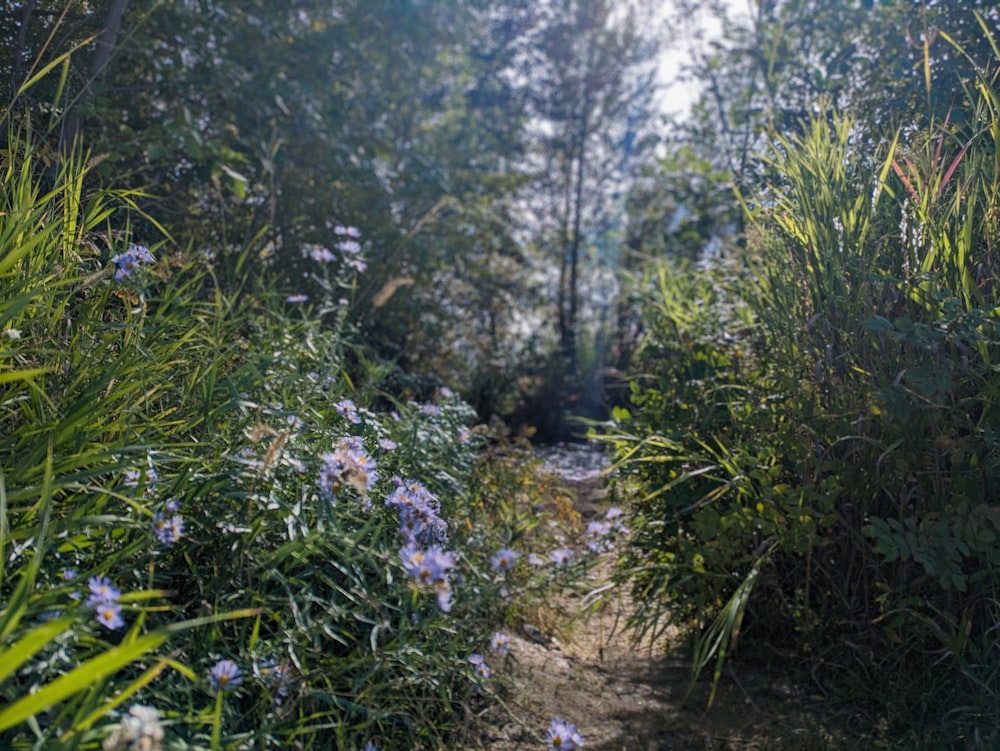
point(818, 468)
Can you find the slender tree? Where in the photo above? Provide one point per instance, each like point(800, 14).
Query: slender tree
point(592, 100)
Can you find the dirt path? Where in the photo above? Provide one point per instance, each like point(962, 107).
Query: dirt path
point(628, 697)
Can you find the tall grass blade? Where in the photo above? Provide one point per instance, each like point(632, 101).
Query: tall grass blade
point(21, 651)
point(80, 679)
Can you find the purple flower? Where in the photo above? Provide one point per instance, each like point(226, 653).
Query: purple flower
point(225, 675)
point(297, 298)
point(597, 533)
point(132, 477)
point(429, 569)
point(349, 231)
point(168, 530)
point(504, 559)
point(430, 410)
point(275, 675)
point(109, 614)
point(614, 517)
point(387, 444)
point(427, 566)
point(349, 246)
point(561, 557)
point(346, 408)
point(562, 736)
point(357, 264)
point(104, 599)
point(101, 591)
point(442, 592)
point(318, 253)
point(130, 260)
point(348, 463)
point(482, 670)
point(499, 643)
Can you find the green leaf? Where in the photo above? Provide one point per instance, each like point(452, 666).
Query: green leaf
point(877, 324)
point(19, 653)
point(80, 679)
point(620, 414)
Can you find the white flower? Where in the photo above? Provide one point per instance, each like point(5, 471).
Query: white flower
point(140, 730)
point(12, 333)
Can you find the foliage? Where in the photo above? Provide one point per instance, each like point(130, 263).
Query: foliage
point(203, 508)
point(812, 435)
point(250, 124)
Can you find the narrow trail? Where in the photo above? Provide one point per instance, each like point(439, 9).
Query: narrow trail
point(625, 696)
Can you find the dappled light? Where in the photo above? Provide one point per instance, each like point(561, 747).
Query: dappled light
point(500, 375)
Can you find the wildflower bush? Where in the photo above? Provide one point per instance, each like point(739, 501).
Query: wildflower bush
point(812, 435)
point(216, 530)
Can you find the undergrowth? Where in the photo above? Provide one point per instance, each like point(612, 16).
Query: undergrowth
point(216, 529)
point(812, 431)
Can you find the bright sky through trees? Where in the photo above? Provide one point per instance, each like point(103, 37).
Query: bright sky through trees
point(677, 92)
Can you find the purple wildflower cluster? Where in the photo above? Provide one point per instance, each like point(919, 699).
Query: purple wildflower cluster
point(429, 568)
point(104, 599)
point(168, 526)
point(563, 736)
point(419, 512)
point(599, 532)
point(345, 408)
point(347, 244)
point(274, 675)
point(130, 260)
point(480, 668)
point(148, 477)
point(318, 253)
point(348, 463)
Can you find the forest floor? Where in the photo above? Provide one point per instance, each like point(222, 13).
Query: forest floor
point(624, 695)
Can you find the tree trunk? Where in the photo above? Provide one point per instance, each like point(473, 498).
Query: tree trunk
point(574, 247)
point(565, 327)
